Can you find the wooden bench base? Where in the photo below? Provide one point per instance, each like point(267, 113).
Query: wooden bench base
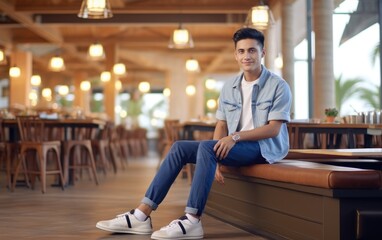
point(281, 210)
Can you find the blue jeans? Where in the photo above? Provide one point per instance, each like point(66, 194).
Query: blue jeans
point(202, 154)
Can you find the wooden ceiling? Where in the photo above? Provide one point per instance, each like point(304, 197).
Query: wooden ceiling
point(138, 29)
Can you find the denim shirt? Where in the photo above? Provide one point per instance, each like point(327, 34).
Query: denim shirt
point(273, 103)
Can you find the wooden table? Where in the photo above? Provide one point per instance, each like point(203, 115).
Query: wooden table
point(347, 152)
point(68, 124)
point(298, 129)
point(190, 126)
point(366, 158)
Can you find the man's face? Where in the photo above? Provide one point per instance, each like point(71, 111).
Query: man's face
point(248, 54)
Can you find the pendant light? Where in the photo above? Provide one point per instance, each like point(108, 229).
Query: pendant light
point(190, 90)
point(14, 71)
point(119, 69)
point(118, 85)
point(57, 64)
point(96, 52)
point(46, 93)
point(181, 38)
point(166, 92)
point(144, 87)
point(105, 76)
point(95, 9)
point(85, 86)
point(260, 16)
point(192, 65)
point(63, 90)
point(36, 80)
point(3, 57)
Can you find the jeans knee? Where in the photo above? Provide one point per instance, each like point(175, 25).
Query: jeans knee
point(207, 146)
point(183, 151)
point(206, 150)
point(178, 146)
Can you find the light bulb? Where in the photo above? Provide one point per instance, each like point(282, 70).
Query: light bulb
point(119, 69)
point(36, 80)
point(15, 72)
point(105, 76)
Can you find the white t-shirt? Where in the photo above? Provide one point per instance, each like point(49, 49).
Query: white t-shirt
point(246, 121)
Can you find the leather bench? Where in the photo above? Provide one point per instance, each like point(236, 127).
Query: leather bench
point(312, 174)
point(296, 199)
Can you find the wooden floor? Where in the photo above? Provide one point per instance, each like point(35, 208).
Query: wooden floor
point(73, 213)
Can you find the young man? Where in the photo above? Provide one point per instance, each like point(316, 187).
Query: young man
point(251, 129)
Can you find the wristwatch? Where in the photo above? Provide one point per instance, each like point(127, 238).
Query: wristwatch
point(235, 137)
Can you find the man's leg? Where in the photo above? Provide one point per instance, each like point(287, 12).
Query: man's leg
point(190, 226)
point(138, 221)
point(181, 153)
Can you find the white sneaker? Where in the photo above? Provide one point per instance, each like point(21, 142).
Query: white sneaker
point(126, 223)
point(181, 228)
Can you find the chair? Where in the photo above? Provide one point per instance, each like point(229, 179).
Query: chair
point(78, 154)
point(35, 152)
point(141, 134)
point(4, 165)
point(172, 129)
point(9, 152)
point(133, 142)
point(101, 149)
point(115, 147)
point(123, 142)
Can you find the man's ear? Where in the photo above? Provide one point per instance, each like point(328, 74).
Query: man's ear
point(263, 53)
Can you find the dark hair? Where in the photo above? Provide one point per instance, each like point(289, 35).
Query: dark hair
point(245, 33)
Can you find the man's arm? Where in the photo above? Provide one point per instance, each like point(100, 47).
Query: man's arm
point(221, 130)
point(269, 130)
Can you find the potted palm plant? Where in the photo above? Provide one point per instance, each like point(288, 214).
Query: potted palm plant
point(331, 114)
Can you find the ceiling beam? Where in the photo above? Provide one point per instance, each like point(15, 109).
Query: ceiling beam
point(25, 20)
point(146, 6)
point(151, 19)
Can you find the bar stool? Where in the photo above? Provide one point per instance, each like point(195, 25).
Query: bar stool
point(115, 148)
point(123, 142)
point(141, 134)
point(78, 154)
point(101, 149)
point(9, 154)
point(34, 152)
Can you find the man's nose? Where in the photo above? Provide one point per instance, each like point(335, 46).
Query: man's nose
point(247, 55)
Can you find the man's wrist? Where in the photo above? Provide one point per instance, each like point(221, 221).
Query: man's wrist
point(235, 137)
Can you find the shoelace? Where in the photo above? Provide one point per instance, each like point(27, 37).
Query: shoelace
point(175, 222)
point(119, 216)
point(122, 214)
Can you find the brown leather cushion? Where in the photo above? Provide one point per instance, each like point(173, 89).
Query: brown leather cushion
point(312, 174)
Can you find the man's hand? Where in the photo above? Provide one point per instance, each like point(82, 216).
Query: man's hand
point(218, 175)
point(223, 146)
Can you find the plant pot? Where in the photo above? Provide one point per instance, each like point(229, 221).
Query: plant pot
point(330, 119)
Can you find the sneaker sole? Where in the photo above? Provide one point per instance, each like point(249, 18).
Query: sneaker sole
point(122, 231)
point(185, 237)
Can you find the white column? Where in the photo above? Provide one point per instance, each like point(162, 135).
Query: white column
point(19, 87)
point(323, 82)
point(287, 38)
point(110, 93)
point(177, 82)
